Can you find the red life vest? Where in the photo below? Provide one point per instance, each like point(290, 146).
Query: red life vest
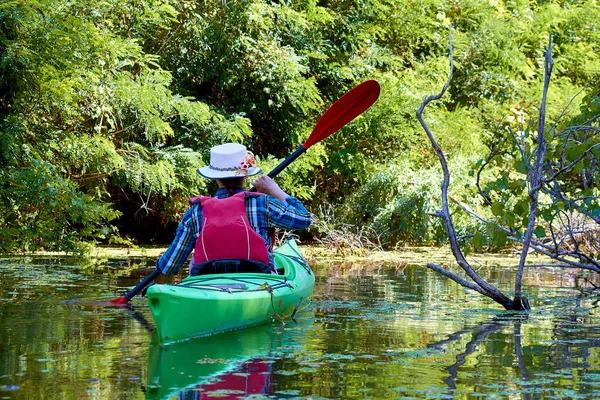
point(226, 232)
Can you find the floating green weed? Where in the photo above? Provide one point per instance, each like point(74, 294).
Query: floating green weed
point(286, 373)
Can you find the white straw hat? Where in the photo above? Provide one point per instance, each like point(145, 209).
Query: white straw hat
point(229, 160)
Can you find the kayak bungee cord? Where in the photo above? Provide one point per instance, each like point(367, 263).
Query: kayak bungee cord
point(204, 285)
point(299, 259)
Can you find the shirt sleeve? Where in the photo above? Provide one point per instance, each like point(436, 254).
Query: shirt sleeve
point(287, 214)
point(181, 247)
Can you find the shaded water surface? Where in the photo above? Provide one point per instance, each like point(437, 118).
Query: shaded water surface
point(373, 331)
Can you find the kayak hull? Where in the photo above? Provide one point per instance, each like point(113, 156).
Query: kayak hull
point(209, 304)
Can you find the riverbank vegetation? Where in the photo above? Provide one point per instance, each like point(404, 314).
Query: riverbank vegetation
point(107, 109)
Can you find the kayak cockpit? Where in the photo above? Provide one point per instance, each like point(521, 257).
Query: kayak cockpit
point(229, 266)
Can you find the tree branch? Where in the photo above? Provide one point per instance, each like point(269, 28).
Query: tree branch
point(481, 285)
point(535, 176)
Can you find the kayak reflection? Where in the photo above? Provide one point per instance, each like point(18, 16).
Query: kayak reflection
point(232, 365)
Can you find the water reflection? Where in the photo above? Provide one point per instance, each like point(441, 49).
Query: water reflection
point(540, 368)
point(231, 365)
point(373, 331)
point(446, 343)
point(57, 340)
point(479, 334)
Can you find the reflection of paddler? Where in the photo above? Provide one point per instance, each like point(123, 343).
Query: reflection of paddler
point(230, 365)
point(251, 377)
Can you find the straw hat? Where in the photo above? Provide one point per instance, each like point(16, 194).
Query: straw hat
point(230, 160)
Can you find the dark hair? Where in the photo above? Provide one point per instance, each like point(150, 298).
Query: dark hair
point(231, 184)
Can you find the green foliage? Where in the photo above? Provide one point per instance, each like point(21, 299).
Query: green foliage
point(397, 202)
point(86, 100)
point(571, 161)
point(253, 61)
point(589, 108)
point(40, 210)
point(120, 101)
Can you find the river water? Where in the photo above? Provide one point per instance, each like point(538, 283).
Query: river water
point(373, 331)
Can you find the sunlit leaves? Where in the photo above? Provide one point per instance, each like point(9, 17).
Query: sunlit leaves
point(127, 97)
point(80, 85)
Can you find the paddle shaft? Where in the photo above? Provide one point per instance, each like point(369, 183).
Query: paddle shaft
point(140, 286)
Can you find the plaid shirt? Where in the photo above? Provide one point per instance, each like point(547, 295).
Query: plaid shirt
point(263, 212)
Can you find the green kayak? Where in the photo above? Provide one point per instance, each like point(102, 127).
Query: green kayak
point(208, 304)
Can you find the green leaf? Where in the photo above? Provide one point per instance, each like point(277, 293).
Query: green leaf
point(547, 215)
point(520, 166)
point(478, 241)
point(508, 218)
point(574, 151)
point(503, 183)
point(497, 236)
point(497, 208)
point(517, 184)
point(540, 232)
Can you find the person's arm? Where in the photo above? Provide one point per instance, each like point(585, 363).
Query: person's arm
point(288, 214)
point(284, 211)
point(181, 247)
point(265, 184)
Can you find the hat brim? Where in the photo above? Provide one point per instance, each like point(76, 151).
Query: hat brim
point(209, 173)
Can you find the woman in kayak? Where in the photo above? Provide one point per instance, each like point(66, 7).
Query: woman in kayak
point(231, 232)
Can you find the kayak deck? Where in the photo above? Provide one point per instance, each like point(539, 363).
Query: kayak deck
point(208, 304)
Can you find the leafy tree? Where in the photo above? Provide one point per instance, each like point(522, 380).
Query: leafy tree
point(43, 211)
point(86, 101)
point(122, 100)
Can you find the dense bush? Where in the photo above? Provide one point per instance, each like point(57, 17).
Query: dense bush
point(396, 203)
point(114, 104)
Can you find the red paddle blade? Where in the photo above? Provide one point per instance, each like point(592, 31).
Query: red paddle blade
point(344, 110)
point(120, 300)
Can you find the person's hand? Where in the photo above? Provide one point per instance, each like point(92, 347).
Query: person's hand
point(264, 184)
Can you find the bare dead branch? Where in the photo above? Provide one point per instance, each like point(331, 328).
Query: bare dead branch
point(535, 175)
point(480, 284)
point(456, 278)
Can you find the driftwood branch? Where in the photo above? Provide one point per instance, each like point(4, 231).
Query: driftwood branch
point(479, 284)
point(535, 176)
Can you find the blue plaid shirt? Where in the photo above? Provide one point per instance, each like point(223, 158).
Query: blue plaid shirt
point(263, 212)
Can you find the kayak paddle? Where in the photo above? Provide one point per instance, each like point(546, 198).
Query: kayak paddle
point(138, 288)
point(345, 109)
point(340, 113)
